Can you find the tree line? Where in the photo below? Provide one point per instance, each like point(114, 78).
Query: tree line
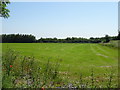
point(23, 38)
point(17, 38)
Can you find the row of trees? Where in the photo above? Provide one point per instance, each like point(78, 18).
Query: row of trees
point(18, 38)
point(23, 38)
point(67, 40)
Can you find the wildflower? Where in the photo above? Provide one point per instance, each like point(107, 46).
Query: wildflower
point(11, 66)
point(43, 88)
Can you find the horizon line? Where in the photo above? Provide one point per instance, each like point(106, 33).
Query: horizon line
point(61, 37)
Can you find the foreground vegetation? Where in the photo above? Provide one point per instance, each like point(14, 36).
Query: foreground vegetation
point(113, 44)
point(59, 65)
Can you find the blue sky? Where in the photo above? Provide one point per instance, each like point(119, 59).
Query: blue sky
point(62, 19)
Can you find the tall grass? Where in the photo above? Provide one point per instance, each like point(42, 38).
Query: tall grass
point(26, 72)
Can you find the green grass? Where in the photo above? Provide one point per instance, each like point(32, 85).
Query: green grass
point(75, 58)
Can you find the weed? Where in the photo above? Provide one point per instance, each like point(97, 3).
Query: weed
point(26, 72)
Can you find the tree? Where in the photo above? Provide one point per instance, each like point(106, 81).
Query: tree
point(4, 12)
point(107, 39)
point(91, 38)
point(118, 37)
point(18, 38)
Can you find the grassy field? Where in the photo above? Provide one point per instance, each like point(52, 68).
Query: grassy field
point(78, 57)
point(75, 59)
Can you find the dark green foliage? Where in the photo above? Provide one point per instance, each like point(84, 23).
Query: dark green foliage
point(18, 38)
point(118, 37)
point(107, 39)
point(23, 38)
point(4, 12)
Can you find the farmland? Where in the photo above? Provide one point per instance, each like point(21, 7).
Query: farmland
point(74, 58)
